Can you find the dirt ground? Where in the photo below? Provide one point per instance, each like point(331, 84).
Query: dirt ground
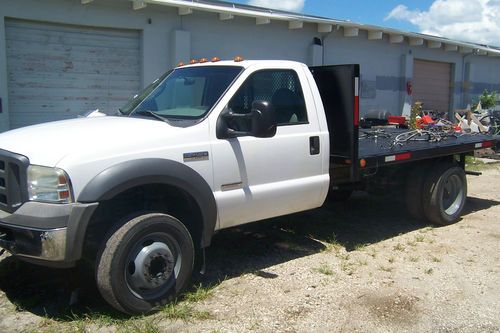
point(360, 266)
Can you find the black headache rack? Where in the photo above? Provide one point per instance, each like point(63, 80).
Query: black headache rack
point(13, 180)
point(353, 151)
point(339, 89)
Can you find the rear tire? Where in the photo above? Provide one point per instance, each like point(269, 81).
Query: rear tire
point(444, 194)
point(414, 191)
point(145, 263)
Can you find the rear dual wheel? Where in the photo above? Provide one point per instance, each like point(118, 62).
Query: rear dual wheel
point(437, 193)
point(145, 263)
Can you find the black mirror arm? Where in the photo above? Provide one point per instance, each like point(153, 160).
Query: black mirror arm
point(231, 114)
point(233, 134)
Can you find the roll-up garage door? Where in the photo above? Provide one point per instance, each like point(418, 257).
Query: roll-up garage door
point(60, 71)
point(431, 84)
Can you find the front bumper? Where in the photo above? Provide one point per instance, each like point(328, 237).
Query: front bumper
point(46, 234)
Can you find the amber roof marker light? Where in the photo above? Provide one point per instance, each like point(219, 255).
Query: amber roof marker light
point(193, 61)
point(238, 59)
point(215, 59)
point(203, 60)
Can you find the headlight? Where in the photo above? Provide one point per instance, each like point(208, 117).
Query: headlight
point(48, 185)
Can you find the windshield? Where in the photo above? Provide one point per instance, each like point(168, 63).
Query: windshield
point(184, 93)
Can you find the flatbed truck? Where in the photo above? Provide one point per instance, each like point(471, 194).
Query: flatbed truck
point(208, 146)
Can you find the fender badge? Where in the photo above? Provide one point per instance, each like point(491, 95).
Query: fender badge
point(196, 156)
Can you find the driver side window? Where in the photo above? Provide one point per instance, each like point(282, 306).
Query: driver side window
point(279, 87)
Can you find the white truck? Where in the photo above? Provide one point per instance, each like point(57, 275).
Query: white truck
point(207, 146)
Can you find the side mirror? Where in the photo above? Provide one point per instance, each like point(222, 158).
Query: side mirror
point(262, 119)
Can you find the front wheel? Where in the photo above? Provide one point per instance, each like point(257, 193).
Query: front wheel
point(444, 194)
point(145, 263)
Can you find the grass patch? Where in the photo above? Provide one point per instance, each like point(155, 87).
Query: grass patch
point(413, 259)
point(343, 256)
point(399, 247)
point(324, 269)
point(435, 259)
point(346, 267)
point(412, 243)
point(426, 229)
point(474, 164)
point(176, 311)
point(332, 244)
point(386, 269)
point(419, 238)
point(203, 315)
point(362, 262)
point(146, 325)
point(360, 246)
point(199, 293)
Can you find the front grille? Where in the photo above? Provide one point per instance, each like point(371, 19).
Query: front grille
point(13, 190)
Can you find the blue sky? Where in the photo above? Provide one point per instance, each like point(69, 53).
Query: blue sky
point(469, 20)
point(361, 11)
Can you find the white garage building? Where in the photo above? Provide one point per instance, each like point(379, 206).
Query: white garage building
point(60, 58)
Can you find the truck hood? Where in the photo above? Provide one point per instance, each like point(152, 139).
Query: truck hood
point(47, 144)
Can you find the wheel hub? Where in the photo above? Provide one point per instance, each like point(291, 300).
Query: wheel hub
point(151, 267)
point(452, 195)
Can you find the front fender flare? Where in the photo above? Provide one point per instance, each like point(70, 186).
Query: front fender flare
point(126, 175)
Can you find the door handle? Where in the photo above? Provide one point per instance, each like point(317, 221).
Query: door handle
point(314, 145)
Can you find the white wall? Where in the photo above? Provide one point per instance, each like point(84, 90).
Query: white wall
point(484, 74)
point(384, 69)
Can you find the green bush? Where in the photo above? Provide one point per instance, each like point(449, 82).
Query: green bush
point(488, 100)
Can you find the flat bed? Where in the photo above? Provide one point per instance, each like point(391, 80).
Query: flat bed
point(381, 146)
point(357, 154)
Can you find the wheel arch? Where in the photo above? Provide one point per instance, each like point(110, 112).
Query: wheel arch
point(128, 175)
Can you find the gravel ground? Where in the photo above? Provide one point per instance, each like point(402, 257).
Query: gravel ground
point(361, 266)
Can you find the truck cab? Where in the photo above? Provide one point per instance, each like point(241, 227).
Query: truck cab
point(207, 146)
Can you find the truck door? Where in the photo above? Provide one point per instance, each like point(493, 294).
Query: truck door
point(258, 178)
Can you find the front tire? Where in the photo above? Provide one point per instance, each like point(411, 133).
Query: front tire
point(445, 192)
point(145, 263)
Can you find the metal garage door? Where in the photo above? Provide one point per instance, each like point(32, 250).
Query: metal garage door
point(431, 84)
point(58, 71)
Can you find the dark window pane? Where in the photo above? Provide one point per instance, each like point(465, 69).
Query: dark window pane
point(280, 87)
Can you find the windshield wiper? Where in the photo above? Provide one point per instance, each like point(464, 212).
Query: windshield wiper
point(152, 114)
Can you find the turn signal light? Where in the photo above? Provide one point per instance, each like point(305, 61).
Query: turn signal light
point(238, 59)
point(362, 163)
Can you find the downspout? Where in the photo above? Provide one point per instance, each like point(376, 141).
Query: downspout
point(474, 51)
point(323, 38)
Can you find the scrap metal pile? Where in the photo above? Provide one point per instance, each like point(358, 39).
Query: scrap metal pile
point(423, 126)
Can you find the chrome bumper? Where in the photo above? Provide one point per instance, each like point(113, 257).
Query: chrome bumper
point(46, 234)
point(32, 243)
